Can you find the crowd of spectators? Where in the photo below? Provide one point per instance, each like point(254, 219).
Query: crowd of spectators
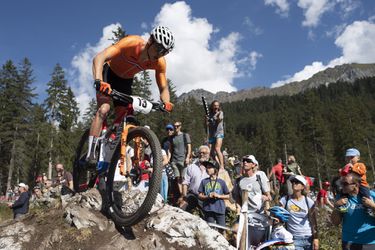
point(42, 193)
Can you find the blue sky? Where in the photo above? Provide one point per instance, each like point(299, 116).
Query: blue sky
point(220, 45)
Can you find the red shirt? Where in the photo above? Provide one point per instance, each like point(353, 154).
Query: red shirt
point(322, 194)
point(278, 171)
point(143, 166)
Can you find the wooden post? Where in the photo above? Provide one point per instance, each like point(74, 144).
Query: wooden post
point(243, 240)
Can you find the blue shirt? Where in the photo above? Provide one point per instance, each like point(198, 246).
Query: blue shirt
point(357, 225)
point(208, 186)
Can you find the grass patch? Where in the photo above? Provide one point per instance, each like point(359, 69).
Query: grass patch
point(5, 213)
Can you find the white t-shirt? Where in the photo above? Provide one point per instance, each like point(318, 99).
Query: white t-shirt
point(252, 185)
point(282, 234)
point(298, 223)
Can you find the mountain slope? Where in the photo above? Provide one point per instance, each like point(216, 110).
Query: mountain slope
point(344, 73)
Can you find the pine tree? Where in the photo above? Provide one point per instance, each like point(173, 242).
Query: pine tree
point(16, 99)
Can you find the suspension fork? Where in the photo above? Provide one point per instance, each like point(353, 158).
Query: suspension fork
point(123, 155)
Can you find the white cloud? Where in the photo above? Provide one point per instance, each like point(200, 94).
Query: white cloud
point(81, 68)
point(357, 45)
point(195, 63)
point(254, 56)
point(313, 10)
point(282, 6)
point(306, 73)
point(251, 26)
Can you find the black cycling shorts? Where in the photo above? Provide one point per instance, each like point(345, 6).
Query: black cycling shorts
point(120, 84)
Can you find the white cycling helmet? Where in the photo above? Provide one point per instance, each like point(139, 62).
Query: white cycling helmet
point(162, 35)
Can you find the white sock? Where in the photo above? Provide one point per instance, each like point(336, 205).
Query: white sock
point(92, 140)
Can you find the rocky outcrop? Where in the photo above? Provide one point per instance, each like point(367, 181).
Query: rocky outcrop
point(79, 224)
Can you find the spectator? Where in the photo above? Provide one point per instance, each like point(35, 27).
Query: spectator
point(215, 123)
point(302, 222)
point(164, 178)
point(166, 140)
point(352, 157)
point(213, 191)
point(194, 175)
point(21, 205)
point(10, 194)
point(358, 227)
point(322, 198)
point(65, 179)
point(292, 167)
point(180, 148)
point(256, 184)
point(37, 193)
point(276, 177)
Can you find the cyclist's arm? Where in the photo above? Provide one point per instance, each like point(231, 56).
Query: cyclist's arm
point(100, 59)
point(161, 80)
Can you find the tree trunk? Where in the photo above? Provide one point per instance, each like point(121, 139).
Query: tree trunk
point(50, 160)
point(12, 159)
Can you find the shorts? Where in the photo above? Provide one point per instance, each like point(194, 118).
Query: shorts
point(120, 84)
point(212, 140)
point(179, 168)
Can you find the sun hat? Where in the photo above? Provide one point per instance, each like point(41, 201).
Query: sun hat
point(250, 157)
point(299, 178)
point(352, 152)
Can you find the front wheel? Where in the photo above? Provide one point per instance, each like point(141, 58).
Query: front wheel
point(131, 198)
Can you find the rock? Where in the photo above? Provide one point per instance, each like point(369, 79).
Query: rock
point(186, 229)
point(14, 235)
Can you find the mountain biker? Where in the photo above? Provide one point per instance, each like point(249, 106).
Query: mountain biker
point(115, 67)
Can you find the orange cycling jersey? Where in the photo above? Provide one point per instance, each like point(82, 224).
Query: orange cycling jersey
point(125, 61)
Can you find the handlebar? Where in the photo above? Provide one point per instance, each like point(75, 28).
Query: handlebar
point(124, 98)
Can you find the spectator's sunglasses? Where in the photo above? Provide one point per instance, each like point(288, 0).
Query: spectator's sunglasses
point(247, 161)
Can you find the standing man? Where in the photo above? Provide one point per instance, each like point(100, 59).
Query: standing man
point(193, 177)
point(115, 67)
point(66, 178)
point(256, 184)
point(180, 148)
point(21, 205)
point(358, 227)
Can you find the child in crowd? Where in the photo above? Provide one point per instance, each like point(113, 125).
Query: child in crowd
point(353, 165)
point(213, 191)
point(279, 233)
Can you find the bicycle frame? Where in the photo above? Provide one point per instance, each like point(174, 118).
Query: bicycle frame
point(137, 104)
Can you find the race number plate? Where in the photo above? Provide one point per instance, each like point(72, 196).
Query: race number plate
point(141, 105)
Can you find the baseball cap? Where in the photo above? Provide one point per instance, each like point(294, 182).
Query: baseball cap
point(250, 157)
point(299, 178)
point(169, 126)
point(352, 152)
point(210, 164)
point(22, 185)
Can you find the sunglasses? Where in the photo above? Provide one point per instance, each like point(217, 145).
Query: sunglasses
point(177, 126)
point(160, 49)
point(169, 129)
point(247, 161)
point(296, 182)
point(347, 183)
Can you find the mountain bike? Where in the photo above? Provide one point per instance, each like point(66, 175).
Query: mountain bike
point(129, 165)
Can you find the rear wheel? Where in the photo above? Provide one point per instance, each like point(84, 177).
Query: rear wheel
point(83, 177)
point(131, 198)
